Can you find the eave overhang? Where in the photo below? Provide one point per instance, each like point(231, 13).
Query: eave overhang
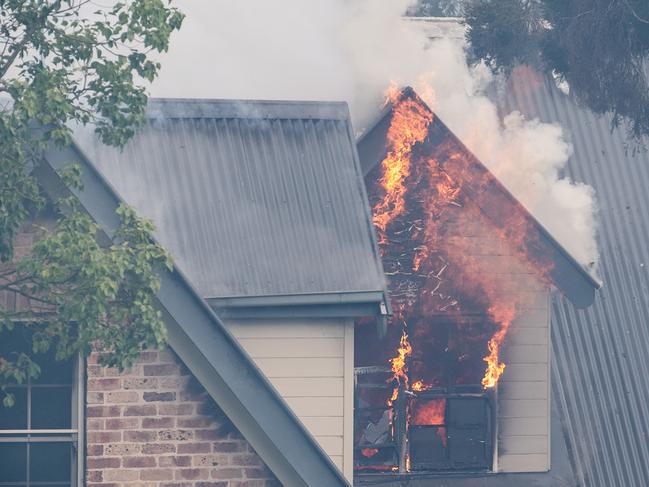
point(206, 347)
point(570, 277)
point(313, 305)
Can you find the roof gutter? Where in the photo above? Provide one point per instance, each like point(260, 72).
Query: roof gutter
point(206, 347)
point(316, 305)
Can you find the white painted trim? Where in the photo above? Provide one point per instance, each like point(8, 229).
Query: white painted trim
point(348, 409)
point(549, 401)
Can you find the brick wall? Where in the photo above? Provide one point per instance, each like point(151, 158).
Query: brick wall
point(155, 426)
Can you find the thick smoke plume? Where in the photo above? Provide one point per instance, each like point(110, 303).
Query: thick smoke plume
point(352, 50)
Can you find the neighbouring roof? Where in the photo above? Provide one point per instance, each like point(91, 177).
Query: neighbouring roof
point(259, 202)
point(206, 347)
point(600, 371)
point(567, 274)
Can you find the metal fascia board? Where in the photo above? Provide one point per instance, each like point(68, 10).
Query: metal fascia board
point(297, 299)
point(262, 109)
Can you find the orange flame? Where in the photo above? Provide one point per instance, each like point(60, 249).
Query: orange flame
point(458, 207)
point(504, 316)
point(399, 365)
point(409, 126)
point(419, 386)
point(429, 412)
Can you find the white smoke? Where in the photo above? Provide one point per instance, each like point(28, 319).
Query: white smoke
point(351, 50)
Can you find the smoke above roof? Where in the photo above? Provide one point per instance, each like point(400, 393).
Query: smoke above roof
point(352, 51)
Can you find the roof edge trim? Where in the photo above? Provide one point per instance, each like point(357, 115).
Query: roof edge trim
point(299, 299)
point(161, 108)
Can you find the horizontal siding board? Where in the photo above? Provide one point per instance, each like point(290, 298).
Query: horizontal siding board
point(309, 386)
point(523, 426)
point(533, 318)
point(527, 336)
point(523, 408)
point(324, 425)
point(301, 367)
point(286, 329)
point(332, 445)
point(534, 300)
point(304, 359)
point(316, 406)
point(338, 460)
point(525, 373)
point(523, 463)
point(526, 354)
point(293, 347)
point(523, 393)
point(522, 390)
point(523, 444)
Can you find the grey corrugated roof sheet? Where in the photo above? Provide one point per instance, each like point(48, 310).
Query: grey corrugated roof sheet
point(252, 198)
point(601, 355)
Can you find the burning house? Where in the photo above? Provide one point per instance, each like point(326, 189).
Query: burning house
point(459, 379)
point(291, 362)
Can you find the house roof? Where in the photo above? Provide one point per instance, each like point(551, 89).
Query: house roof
point(567, 274)
point(206, 347)
point(261, 203)
point(600, 373)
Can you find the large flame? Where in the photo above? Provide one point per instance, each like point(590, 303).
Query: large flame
point(409, 126)
point(399, 365)
point(429, 412)
point(452, 205)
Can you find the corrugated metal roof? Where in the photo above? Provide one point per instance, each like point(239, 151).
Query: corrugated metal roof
point(601, 354)
point(251, 198)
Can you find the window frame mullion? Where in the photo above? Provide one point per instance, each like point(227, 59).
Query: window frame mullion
point(73, 436)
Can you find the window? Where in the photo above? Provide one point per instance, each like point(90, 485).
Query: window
point(40, 433)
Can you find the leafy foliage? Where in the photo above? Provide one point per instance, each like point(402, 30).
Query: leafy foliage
point(600, 47)
point(65, 62)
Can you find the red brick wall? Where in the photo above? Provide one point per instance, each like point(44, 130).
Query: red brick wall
point(155, 426)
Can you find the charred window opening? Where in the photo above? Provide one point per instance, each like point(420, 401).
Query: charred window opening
point(420, 428)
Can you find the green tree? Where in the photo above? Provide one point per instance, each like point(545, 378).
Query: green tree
point(66, 62)
point(599, 47)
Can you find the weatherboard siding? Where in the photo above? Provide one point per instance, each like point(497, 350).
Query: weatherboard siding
point(310, 363)
point(524, 392)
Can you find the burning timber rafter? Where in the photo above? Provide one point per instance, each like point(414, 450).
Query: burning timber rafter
point(575, 282)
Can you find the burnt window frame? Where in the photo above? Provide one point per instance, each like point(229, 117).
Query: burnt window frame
point(74, 436)
point(400, 443)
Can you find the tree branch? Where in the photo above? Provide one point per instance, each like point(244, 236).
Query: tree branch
point(635, 14)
